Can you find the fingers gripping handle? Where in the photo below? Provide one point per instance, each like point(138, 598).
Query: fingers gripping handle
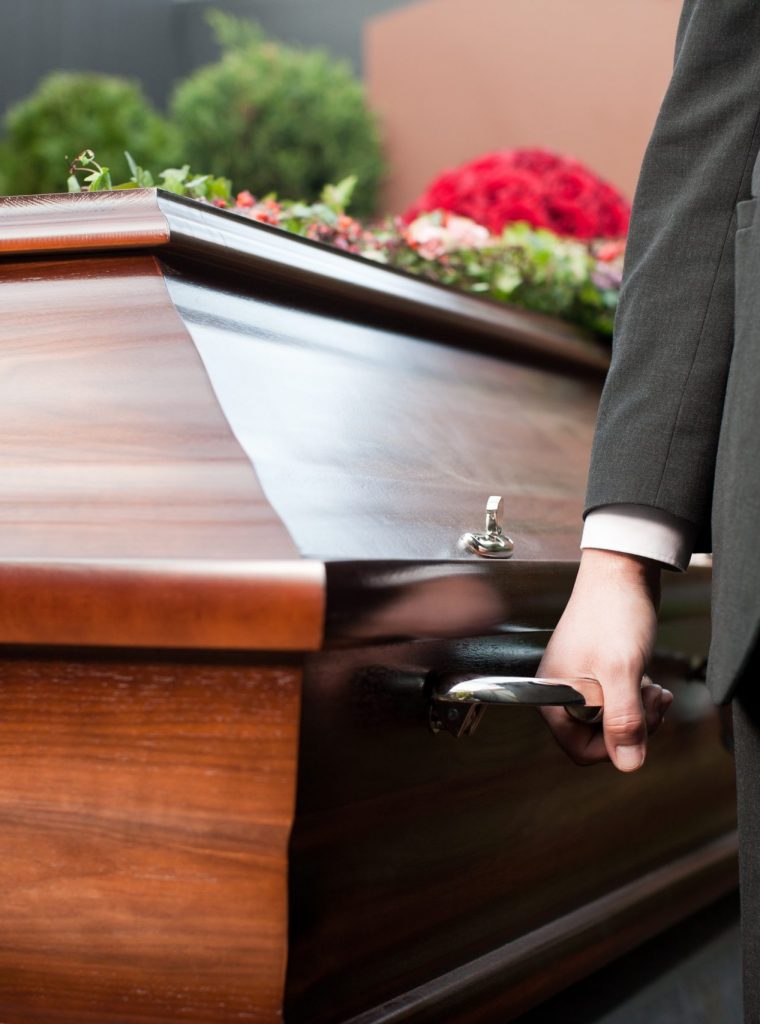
point(458, 700)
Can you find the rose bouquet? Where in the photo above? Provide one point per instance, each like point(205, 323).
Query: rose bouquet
point(533, 185)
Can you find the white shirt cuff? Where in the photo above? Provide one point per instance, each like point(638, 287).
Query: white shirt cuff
point(641, 530)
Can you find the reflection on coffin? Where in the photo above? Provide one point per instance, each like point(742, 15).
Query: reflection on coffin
point(237, 469)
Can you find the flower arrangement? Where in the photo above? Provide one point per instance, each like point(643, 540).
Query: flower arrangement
point(533, 185)
point(524, 265)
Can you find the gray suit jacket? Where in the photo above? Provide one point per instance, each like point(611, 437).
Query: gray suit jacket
point(679, 421)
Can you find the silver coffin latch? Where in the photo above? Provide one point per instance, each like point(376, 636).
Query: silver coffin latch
point(493, 543)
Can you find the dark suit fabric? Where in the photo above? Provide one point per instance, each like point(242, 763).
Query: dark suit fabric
point(679, 420)
point(746, 711)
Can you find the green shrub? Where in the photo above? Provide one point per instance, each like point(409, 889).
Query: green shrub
point(69, 112)
point(3, 161)
point(278, 119)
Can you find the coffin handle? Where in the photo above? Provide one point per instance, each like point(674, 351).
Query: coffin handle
point(459, 700)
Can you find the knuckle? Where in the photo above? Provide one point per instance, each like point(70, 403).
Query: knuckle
point(623, 723)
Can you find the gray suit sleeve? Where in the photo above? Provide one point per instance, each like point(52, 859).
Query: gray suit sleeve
point(659, 418)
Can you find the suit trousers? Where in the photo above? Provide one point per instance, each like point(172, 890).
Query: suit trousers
point(746, 713)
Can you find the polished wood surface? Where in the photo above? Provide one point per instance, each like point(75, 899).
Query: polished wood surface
point(113, 443)
point(314, 275)
point(83, 221)
point(115, 451)
point(414, 854)
point(178, 435)
point(375, 444)
point(384, 601)
point(309, 270)
point(145, 810)
point(193, 604)
point(501, 985)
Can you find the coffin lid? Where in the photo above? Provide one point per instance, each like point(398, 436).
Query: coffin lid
point(137, 511)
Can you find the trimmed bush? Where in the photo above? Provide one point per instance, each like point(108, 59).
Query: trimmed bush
point(69, 112)
point(277, 119)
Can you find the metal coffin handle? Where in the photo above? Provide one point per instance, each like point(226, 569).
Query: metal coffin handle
point(459, 700)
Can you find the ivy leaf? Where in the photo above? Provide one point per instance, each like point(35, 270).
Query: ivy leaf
point(219, 188)
point(173, 179)
point(197, 187)
point(100, 180)
point(140, 177)
point(338, 197)
point(134, 170)
point(508, 279)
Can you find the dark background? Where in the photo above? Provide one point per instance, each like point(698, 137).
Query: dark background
point(158, 41)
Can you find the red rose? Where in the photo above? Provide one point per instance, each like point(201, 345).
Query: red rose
point(567, 184)
point(539, 161)
point(568, 218)
point(530, 184)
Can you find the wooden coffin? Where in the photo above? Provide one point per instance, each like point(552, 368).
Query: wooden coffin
point(236, 466)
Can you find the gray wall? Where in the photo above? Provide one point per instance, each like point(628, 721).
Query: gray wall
point(157, 41)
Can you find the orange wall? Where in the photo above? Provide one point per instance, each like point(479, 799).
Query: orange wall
point(455, 78)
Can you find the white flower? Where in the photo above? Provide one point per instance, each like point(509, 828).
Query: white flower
point(438, 233)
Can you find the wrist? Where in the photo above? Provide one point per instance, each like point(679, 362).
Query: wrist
point(620, 567)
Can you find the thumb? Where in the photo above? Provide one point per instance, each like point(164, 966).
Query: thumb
point(625, 732)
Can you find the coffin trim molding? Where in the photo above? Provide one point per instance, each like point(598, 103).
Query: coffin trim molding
point(153, 218)
point(505, 980)
point(82, 221)
point(163, 603)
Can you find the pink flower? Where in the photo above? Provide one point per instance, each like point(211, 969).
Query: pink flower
point(611, 250)
point(440, 233)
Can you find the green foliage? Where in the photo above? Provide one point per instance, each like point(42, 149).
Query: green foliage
point(275, 118)
point(235, 33)
point(69, 111)
point(525, 266)
point(87, 175)
point(4, 191)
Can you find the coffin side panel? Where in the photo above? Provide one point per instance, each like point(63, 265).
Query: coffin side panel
point(415, 854)
point(145, 810)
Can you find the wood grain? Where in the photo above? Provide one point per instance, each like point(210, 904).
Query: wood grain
point(191, 604)
point(307, 269)
point(376, 444)
point(303, 272)
point(499, 986)
point(145, 810)
point(415, 854)
point(113, 443)
point(146, 799)
point(85, 220)
point(115, 450)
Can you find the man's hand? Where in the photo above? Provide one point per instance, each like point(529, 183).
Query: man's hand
point(608, 631)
